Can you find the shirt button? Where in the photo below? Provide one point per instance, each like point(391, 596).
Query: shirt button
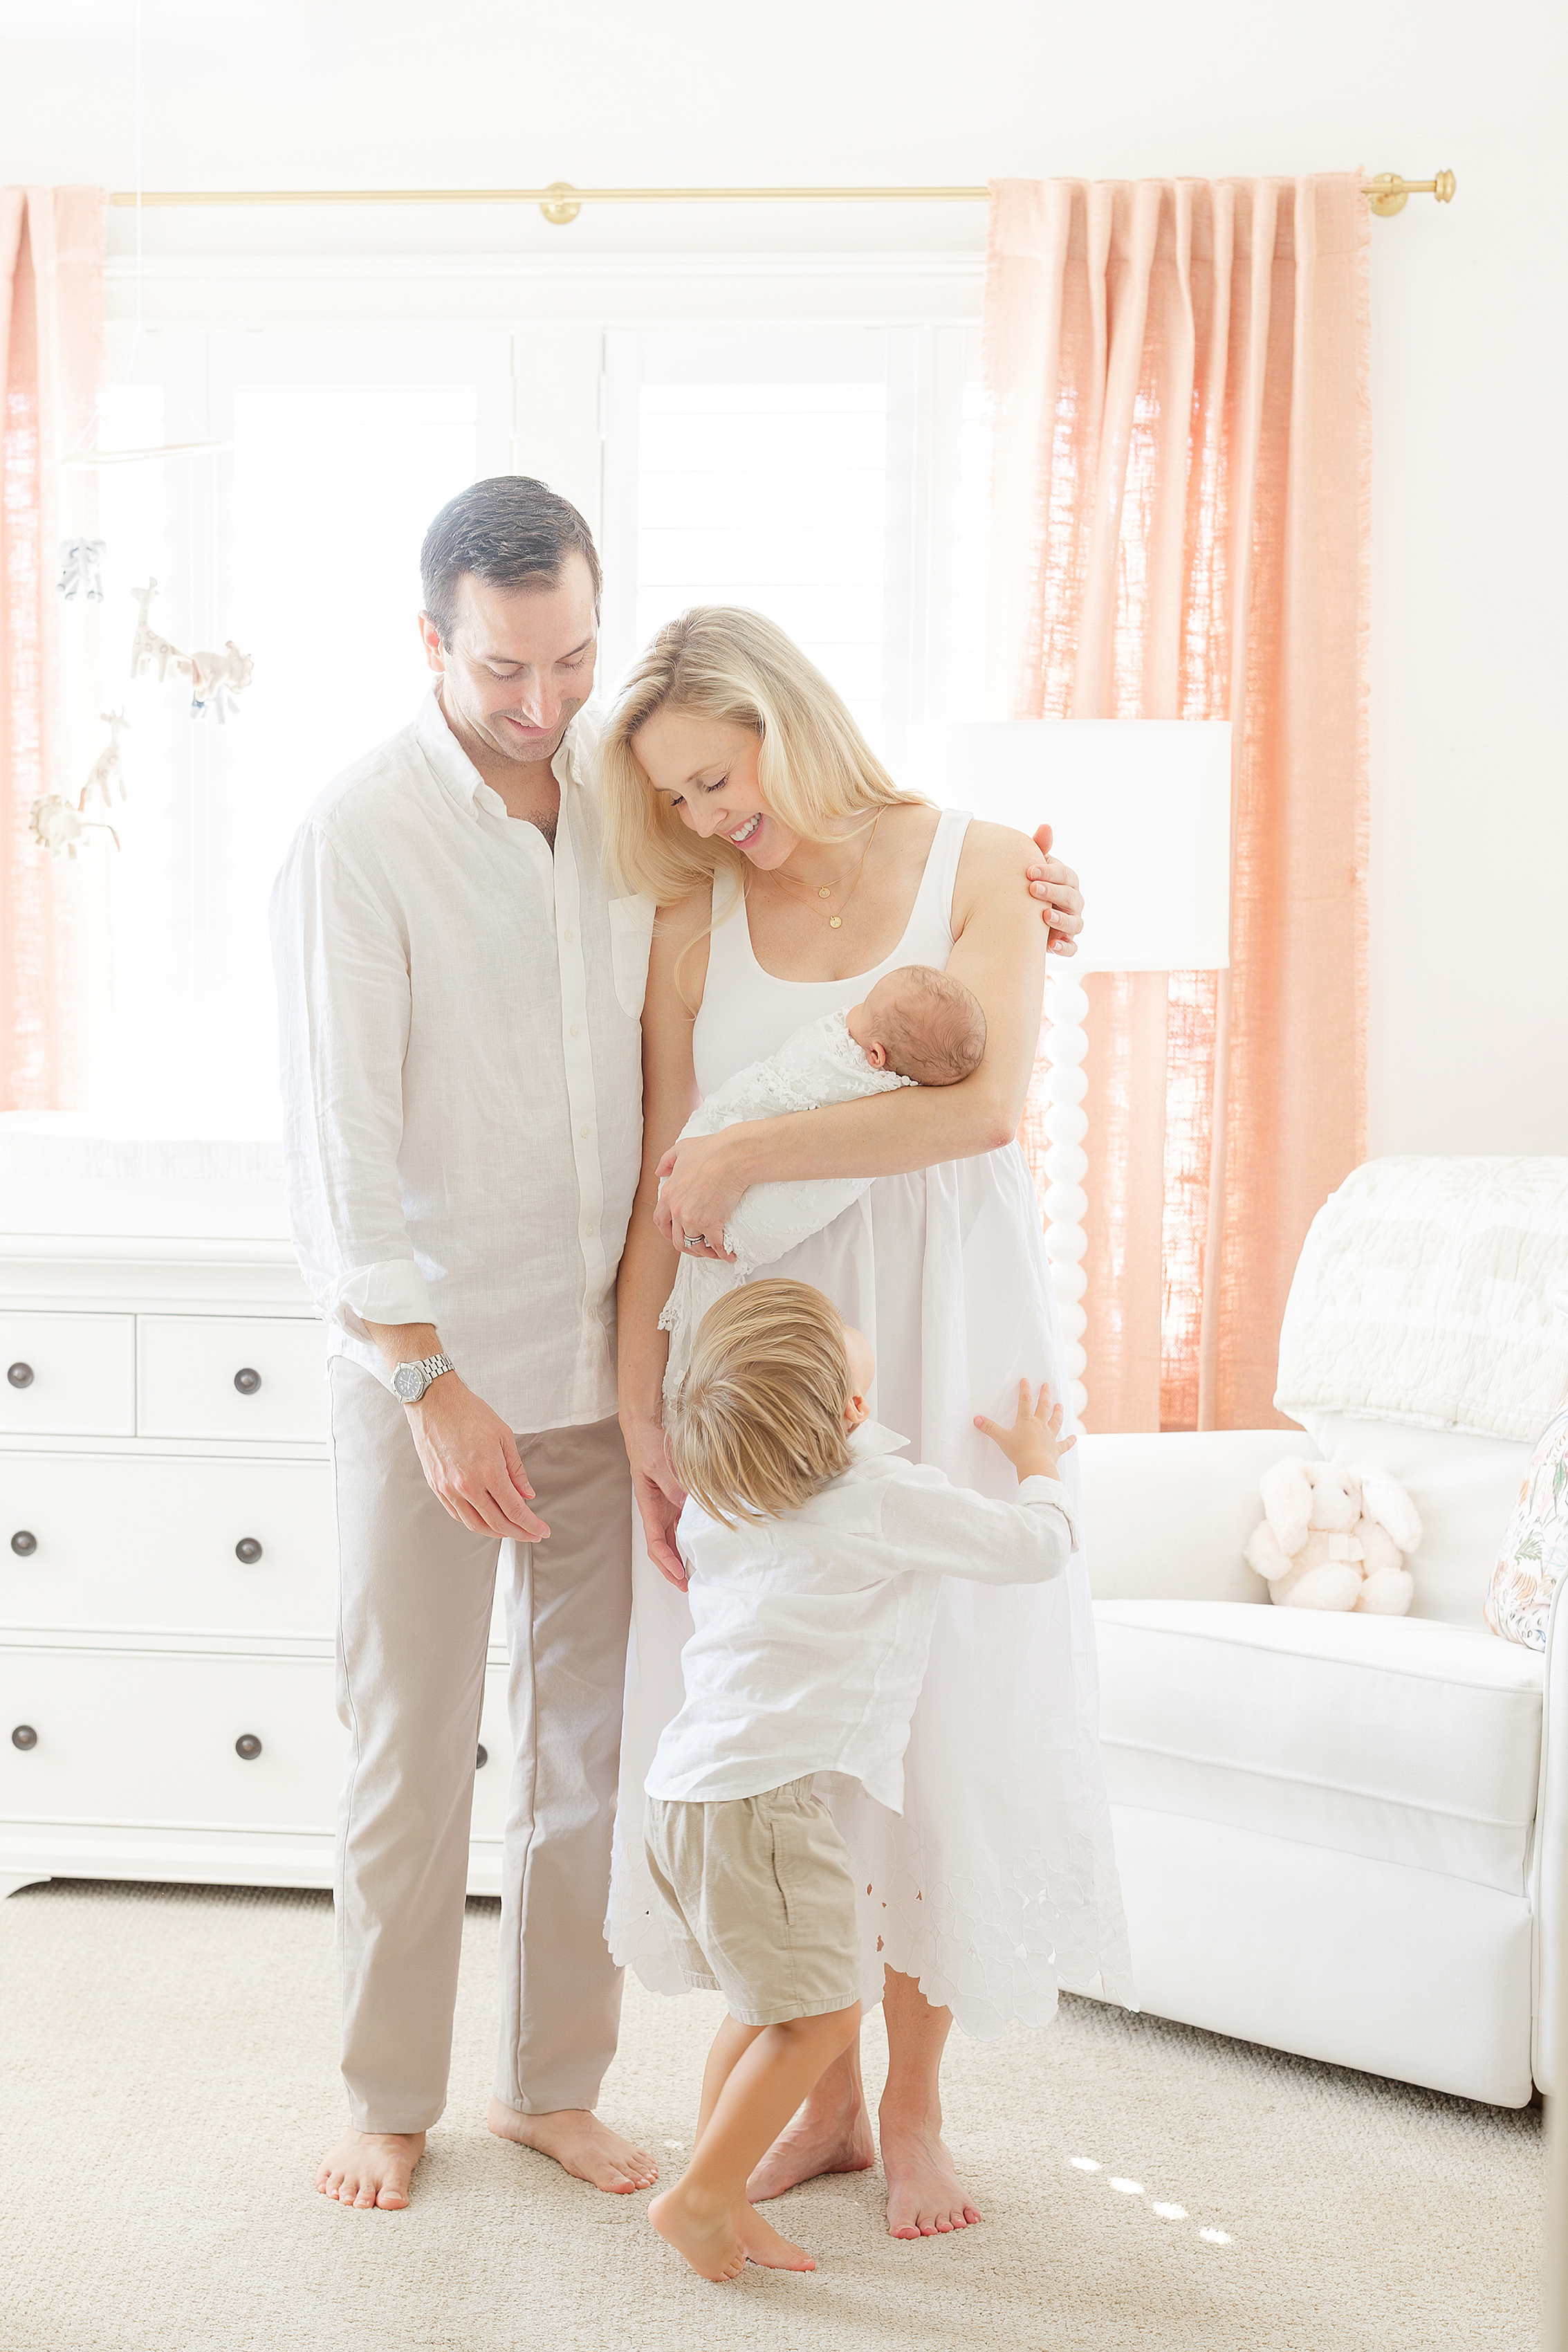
point(573, 1031)
point(588, 1232)
point(583, 1132)
point(566, 936)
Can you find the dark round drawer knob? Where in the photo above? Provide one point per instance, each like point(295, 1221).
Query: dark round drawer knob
point(481, 1758)
point(248, 1747)
point(248, 1550)
point(23, 1543)
point(24, 1736)
point(20, 1376)
point(247, 1381)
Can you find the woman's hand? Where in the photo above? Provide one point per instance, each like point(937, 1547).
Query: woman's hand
point(699, 1188)
point(660, 1495)
point(1057, 885)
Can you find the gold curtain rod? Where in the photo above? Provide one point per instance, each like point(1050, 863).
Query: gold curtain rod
point(561, 203)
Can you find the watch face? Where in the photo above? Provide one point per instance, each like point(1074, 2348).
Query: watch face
point(409, 1382)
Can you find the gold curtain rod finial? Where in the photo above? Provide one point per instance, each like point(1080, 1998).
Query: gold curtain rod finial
point(1388, 192)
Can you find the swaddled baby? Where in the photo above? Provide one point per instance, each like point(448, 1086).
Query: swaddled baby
point(917, 1026)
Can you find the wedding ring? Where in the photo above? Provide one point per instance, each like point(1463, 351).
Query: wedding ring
point(693, 1240)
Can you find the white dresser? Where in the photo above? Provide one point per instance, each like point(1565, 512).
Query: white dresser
point(167, 1546)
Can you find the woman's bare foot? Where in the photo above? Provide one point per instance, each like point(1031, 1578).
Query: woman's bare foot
point(820, 2139)
point(580, 2144)
point(708, 2241)
point(370, 2169)
point(763, 2244)
point(925, 2199)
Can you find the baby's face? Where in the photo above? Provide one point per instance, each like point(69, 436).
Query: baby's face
point(866, 1020)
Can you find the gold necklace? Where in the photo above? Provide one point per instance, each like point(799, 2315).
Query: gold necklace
point(825, 890)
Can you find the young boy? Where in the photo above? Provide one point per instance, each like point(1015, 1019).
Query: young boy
point(813, 1555)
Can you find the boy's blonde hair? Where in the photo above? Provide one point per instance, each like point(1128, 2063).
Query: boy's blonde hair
point(816, 768)
point(759, 1425)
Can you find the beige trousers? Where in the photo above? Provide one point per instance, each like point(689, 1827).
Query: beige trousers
point(415, 1596)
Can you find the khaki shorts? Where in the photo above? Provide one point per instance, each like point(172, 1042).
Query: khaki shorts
point(759, 1901)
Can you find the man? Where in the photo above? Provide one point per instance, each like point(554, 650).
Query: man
point(463, 1103)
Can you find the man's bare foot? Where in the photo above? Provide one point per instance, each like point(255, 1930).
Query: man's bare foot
point(708, 2241)
point(814, 2143)
point(925, 2199)
point(580, 2144)
point(763, 2244)
point(370, 2169)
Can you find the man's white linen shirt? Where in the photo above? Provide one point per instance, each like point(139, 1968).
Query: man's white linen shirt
point(812, 1630)
point(461, 1053)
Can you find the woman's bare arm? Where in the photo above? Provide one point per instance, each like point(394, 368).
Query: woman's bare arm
point(999, 952)
point(648, 1263)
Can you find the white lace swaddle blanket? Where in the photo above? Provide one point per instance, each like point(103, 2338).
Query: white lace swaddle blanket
point(819, 1064)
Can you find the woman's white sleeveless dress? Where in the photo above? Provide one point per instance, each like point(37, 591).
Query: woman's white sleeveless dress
point(999, 1881)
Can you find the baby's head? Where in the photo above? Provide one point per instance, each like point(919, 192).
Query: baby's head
point(921, 1024)
point(776, 1384)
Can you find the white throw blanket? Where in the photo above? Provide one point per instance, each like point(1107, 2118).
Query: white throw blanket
point(819, 1063)
point(1434, 1292)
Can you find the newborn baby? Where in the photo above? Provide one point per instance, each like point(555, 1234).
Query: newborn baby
point(917, 1027)
point(916, 1022)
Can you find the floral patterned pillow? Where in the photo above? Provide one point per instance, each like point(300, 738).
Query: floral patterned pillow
point(1535, 1550)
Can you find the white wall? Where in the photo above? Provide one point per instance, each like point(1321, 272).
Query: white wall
point(1469, 847)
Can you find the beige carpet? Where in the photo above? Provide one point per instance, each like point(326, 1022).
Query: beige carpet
point(167, 2061)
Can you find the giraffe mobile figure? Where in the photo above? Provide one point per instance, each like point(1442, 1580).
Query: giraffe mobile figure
point(108, 767)
point(148, 649)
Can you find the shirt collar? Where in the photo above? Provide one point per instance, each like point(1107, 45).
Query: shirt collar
point(455, 771)
point(871, 1439)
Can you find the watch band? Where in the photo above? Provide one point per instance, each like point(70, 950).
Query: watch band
point(427, 1368)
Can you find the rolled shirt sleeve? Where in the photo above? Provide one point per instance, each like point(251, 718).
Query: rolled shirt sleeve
point(342, 972)
point(938, 1529)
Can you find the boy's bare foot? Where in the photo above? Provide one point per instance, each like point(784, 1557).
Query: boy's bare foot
point(708, 2241)
point(814, 2143)
point(763, 2244)
point(925, 2199)
point(580, 2144)
point(370, 2169)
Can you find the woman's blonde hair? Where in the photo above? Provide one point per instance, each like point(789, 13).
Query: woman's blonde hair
point(759, 1425)
point(815, 767)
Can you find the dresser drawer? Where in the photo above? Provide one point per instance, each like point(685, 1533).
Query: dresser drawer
point(67, 1375)
point(107, 1541)
point(147, 1740)
point(222, 1376)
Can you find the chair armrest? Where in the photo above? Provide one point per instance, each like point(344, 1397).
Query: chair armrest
point(1549, 1889)
point(1166, 1516)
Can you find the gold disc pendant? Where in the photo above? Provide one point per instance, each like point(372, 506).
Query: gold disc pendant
point(834, 923)
point(825, 893)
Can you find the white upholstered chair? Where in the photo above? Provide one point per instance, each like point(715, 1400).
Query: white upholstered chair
point(1345, 1835)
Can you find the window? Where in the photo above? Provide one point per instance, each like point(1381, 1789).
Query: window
point(832, 478)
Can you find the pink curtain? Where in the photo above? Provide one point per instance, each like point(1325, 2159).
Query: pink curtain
point(51, 323)
point(1179, 531)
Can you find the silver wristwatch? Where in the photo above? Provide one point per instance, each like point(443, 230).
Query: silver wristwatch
point(411, 1380)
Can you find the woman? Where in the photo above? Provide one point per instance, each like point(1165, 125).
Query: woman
point(790, 872)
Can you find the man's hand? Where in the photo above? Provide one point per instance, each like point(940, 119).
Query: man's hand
point(471, 1461)
point(660, 1495)
point(697, 1193)
point(1057, 885)
point(1033, 1444)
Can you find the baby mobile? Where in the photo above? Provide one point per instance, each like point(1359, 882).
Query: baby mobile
point(217, 681)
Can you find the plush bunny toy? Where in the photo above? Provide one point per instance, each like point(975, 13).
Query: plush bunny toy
point(1334, 1539)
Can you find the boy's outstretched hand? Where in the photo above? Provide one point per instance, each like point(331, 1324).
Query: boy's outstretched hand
point(1033, 1445)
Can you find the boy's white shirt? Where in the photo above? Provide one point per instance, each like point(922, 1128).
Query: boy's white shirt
point(811, 1632)
point(817, 1065)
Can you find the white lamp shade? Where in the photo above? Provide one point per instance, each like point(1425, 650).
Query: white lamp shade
point(1141, 809)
